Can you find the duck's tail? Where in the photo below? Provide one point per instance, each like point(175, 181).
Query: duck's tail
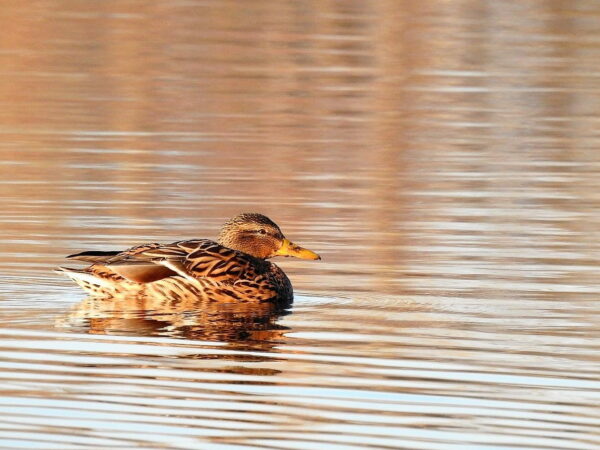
point(93, 256)
point(88, 281)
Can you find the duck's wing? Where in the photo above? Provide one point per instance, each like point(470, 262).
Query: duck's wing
point(192, 259)
point(106, 265)
point(100, 257)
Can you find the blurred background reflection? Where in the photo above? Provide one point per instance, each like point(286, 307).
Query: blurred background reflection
point(441, 156)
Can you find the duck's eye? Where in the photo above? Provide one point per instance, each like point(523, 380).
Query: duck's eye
point(261, 231)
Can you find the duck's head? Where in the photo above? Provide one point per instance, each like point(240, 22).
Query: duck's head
point(259, 236)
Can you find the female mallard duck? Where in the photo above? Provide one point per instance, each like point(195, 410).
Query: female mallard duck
point(233, 269)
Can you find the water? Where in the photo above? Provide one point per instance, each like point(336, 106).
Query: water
point(442, 157)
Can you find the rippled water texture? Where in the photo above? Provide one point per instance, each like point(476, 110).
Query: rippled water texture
point(442, 156)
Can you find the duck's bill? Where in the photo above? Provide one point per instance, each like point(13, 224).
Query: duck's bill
point(288, 248)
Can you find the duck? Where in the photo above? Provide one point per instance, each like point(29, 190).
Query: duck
point(234, 268)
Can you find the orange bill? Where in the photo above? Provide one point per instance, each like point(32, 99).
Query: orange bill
point(288, 248)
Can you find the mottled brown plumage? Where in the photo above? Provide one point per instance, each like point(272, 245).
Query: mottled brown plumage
point(232, 269)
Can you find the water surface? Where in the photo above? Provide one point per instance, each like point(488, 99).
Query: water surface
point(442, 157)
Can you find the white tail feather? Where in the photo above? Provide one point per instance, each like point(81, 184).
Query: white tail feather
point(78, 275)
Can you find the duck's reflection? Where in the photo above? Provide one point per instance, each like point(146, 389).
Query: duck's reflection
point(249, 323)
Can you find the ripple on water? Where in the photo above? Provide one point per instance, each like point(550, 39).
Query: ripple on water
point(456, 212)
point(305, 300)
point(302, 379)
